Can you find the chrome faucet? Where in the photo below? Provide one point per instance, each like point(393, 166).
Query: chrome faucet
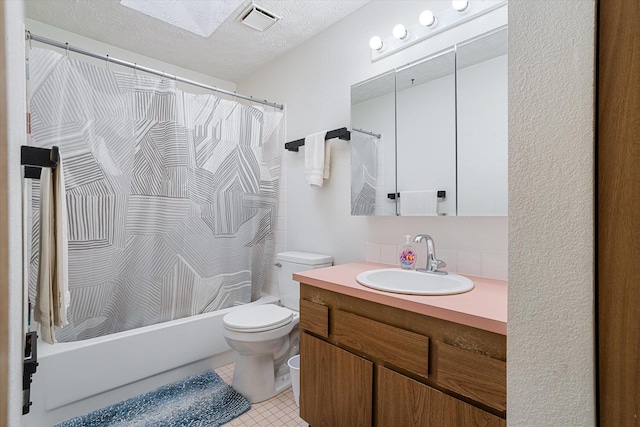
point(432, 262)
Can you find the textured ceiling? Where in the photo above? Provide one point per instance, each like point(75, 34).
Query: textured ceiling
point(233, 52)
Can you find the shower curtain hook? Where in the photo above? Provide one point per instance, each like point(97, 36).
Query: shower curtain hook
point(67, 51)
point(108, 59)
point(235, 96)
point(135, 69)
point(29, 37)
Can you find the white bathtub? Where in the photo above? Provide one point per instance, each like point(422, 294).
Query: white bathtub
point(78, 377)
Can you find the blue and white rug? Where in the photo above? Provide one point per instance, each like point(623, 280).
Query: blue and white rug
point(198, 401)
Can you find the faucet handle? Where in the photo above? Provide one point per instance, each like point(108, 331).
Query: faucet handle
point(440, 263)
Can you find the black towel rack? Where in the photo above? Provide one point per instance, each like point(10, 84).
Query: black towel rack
point(29, 367)
point(34, 159)
point(342, 133)
point(442, 194)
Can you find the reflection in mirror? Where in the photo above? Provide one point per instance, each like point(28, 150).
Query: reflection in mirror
point(372, 146)
point(482, 125)
point(426, 136)
point(443, 122)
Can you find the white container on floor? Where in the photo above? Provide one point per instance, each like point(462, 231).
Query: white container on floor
point(294, 368)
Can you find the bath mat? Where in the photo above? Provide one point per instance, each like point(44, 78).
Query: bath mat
point(198, 401)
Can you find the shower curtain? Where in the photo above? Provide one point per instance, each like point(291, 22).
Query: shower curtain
point(171, 196)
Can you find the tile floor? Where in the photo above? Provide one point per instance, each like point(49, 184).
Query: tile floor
point(279, 411)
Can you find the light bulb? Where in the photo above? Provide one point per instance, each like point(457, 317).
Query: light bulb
point(460, 5)
point(427, 19)
point(399, 31)
point(376, 43)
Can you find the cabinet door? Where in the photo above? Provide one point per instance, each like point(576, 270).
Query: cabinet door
point(402, 401)
point(473, 375)
point(336, 387)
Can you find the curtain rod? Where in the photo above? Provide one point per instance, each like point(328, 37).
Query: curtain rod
point(109, 59)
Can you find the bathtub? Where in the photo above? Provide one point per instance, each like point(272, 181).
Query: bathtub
point(78, 377)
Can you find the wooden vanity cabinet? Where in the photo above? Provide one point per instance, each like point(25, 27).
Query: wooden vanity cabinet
point(405, 402)
point(342, 381)
point(368, 364)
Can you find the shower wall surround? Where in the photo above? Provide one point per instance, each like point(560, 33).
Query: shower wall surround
point(171, 196)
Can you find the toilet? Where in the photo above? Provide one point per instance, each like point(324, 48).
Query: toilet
point(266, 336)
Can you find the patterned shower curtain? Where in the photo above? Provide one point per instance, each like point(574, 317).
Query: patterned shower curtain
point(171, 196)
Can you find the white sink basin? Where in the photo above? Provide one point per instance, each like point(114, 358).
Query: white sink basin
point(414, 282)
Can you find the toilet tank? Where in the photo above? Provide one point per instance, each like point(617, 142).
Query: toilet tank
point(293, 262)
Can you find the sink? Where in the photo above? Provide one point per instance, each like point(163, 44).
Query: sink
point(414, 282)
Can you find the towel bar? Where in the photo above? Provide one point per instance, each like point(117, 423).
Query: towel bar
point(442, 194)
point(342, 133)
point(36, 158)
point(29, 366)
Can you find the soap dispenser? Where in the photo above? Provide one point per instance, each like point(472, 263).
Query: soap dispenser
point(407, 255)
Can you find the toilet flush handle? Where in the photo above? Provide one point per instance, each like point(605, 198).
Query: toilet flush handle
point(277, 264)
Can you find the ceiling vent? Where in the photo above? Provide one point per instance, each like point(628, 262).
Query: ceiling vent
point(258, 17)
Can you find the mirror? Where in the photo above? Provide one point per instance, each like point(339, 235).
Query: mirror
point(372, 146)
point(442, 122)
point(482, 125)
point(426, 136)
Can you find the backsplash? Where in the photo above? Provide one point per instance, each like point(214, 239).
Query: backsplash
point(494, 266)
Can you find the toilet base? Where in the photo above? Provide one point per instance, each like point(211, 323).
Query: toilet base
point(254, 378)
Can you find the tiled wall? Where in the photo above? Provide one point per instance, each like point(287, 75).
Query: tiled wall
point(473, 263)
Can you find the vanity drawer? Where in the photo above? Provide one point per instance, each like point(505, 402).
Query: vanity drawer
point(314, 318)
point(479, 377)
point(394, 346)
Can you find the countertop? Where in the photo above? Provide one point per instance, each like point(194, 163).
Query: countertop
point(484, 307)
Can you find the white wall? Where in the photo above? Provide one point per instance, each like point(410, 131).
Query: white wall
point(16, 125)
point(551, 203)
point(314, 82)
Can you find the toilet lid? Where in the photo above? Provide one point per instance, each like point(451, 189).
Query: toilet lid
point(257, 319)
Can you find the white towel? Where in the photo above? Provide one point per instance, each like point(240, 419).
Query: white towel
point(52, 294)
point(317, 158)
point(419, 203)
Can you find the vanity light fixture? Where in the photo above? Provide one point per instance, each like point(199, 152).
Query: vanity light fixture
point(428, 19)
point(429, 24)
point(376, 43)
point(461, 6)
point(400, 32)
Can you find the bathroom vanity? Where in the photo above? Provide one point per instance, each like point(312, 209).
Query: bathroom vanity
point(373, 358)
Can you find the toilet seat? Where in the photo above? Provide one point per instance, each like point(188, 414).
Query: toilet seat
point(258, 319)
